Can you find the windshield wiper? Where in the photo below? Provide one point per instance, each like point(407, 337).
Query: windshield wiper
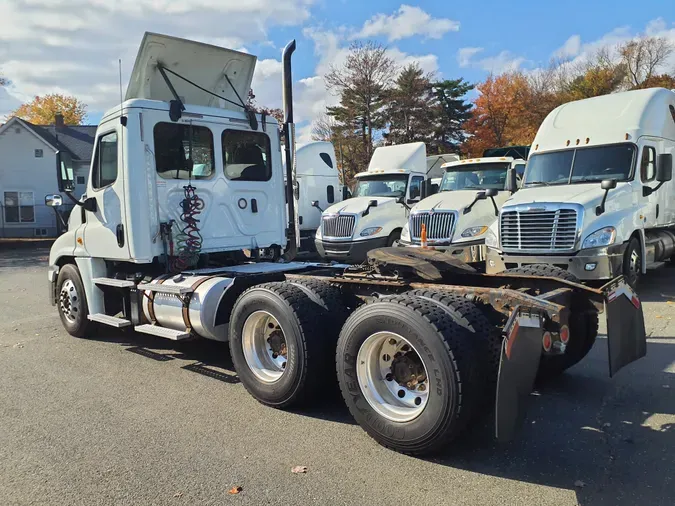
point(545, 183)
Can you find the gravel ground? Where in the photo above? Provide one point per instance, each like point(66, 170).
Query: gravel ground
point(129, 419)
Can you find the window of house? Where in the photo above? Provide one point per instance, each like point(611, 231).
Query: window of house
point(648, 164)
point(39, 153)
point(177, 144)
point(247, 156)
point(19, 207)
point(105, 161)
point(81, 180)
point(416, 187)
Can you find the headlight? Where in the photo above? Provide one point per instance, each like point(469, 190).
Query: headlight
point(603, 237)
point(491, 239)
point(474, 231)
point(405, 233)
point(370, 231)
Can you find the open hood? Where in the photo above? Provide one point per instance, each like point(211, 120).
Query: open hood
point(203, 64)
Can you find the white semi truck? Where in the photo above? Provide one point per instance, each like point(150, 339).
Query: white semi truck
point(184, 177)
point(597, 198)
point(456, 218)
point(397, 178)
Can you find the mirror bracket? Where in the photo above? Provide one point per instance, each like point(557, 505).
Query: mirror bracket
point(89, 205)
point(479, 196)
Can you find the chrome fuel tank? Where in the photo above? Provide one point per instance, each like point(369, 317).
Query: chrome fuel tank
point(201, 313)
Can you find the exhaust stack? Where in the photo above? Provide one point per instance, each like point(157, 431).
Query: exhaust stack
point(293, 230)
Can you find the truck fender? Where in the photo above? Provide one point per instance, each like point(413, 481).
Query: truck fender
point(643, 246)
point(91, 268)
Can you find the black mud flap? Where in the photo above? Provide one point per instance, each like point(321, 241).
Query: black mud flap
point(626, 335)
point(521, 352)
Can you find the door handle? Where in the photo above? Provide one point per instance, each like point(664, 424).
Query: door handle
point(120, 235)
point(254, 205)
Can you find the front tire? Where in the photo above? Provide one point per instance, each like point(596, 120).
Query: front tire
point(277, 345)
point(72, 302)
point(407, 373)
point(632, 263)
point(393, 238)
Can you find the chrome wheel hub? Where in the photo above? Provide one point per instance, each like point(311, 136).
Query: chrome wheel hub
point(264, 346)
point(69, 301)
point(392, 377)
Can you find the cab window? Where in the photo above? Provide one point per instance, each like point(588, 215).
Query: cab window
point(246, 156)
point(177, 144)
point(105, 161)
point(416, 187)
point(648, 164)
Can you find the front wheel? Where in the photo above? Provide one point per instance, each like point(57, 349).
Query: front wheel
point(632, 263)
point(407, 373)
point(393, 238)
point(72, 302)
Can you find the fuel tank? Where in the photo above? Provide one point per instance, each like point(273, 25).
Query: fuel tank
point(202, 308)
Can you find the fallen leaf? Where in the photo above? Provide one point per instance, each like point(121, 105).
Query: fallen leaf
point(299, 470)
point(178, 494)
point(579, 484)
point(658, 316)
point(235, 490)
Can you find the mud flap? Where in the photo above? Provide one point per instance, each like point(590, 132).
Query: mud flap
point(521, 353)
point(626, 335)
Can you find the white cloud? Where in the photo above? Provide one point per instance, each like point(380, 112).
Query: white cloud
point(72, 46)
point(407, 22)
point(502, 62)
point(570, 48)
point(466, 54)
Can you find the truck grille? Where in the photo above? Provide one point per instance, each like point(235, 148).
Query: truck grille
point(338, 225)
point(541, 230)
point(440, 225)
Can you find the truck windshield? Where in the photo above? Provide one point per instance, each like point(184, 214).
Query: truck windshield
point(477, 176)
point(581, 165)
point(385, 185)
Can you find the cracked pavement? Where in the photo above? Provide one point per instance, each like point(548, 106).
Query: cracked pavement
point(129, 419)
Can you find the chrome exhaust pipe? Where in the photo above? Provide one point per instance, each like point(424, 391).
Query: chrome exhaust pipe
point(293, 230)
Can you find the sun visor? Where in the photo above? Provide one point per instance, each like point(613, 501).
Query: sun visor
point(203, 64)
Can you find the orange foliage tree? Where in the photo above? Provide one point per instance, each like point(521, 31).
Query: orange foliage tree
point(42, 110)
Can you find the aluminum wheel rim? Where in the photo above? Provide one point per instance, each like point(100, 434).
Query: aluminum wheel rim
point(69, 301)
point(264, 346)
point(376, 361)
point(633, 264)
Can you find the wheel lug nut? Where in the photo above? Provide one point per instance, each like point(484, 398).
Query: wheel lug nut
point(392, 341)
point(389, 377)
point(386, 358)
point(401, 393)
point(274, 355)
point(422, 388)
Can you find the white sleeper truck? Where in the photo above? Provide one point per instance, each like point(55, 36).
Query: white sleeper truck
point(468, 201)
point(184, 177)
point(597, 199)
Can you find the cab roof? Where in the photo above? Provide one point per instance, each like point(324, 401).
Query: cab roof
point(475, 161)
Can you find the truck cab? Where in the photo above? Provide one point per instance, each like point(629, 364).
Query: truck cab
point(375, 215)
point(467, 203)
point(597, 196)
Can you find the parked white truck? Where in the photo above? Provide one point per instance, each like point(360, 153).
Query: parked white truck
point(597, 198)
point(397, 178)
point(468, 201)
point(184, 176)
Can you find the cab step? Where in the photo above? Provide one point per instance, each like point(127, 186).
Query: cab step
point(160, 288)
point(117, 283)
point(111, 321)
point(156, 330)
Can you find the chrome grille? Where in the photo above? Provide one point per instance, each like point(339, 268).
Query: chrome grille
point(338, 225)
point(440, 225)
point(540, 230)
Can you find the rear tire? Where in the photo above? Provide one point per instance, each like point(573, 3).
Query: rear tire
point(583, 325)
point(72, 302)
point(277, 345)
point(453, 383)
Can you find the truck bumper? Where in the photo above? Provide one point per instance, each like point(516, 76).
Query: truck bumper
point(587, 265)
point(469, 252)
point(349, 251)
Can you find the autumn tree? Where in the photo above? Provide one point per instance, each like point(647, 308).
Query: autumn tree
point(499, 117)
point(42, 110)
point(412, 107)
point(596, 81)
point(644, 57)
point(452, 113)
point(362, 83)
point(658, 81)
point(276, 112)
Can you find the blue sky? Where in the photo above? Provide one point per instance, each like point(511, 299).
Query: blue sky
point(72, 46)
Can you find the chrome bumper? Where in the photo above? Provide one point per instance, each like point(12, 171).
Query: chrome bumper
point(470, 252)
point(590, 264)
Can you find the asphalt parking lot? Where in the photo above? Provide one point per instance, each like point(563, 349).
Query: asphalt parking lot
point(129, 419)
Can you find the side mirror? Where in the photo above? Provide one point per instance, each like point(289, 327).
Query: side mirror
point(607, 184)
point(482, 195)
point(664, 167)
point(491, 192)
point(372, 203)
point(64, 172)
point(511, 181)
point(53, 200)
point(315, 203)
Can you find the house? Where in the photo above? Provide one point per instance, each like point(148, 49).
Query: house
point(28, 173)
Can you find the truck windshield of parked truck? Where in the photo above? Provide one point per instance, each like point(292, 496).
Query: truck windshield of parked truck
point(385, 185)
point(581, 165)
point(481, 176)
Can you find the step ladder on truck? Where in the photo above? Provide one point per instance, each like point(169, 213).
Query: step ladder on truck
point(422, 344)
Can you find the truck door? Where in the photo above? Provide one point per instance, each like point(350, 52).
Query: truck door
point(651, 210)
point(104, 231)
